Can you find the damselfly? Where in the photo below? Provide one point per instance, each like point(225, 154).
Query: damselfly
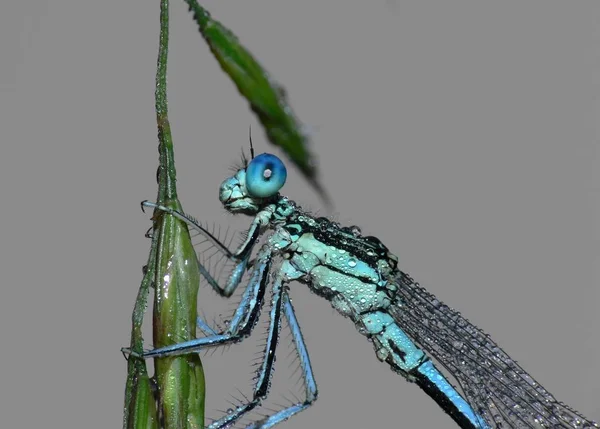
point(410, 329)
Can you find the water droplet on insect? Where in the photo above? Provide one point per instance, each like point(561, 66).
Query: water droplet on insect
point(355, 230)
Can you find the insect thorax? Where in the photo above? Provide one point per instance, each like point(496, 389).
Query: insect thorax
point(351, 270)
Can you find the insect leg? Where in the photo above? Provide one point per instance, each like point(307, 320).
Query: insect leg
point(240, 256)
point(307, 372)
point(243, 320)
point(204, 327)
point(261, 389)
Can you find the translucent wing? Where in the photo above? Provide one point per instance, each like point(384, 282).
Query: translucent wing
point(495, 386)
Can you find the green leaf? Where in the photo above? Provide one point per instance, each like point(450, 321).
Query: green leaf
point(266, 98)
point(180, 379)
point(140, 407)
point(173, 271)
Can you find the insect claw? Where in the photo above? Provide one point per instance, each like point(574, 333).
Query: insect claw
point(127, 353)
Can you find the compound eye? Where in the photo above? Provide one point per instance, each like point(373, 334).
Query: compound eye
point(265, 175)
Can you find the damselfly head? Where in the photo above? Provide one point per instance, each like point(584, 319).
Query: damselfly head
point(254, 186)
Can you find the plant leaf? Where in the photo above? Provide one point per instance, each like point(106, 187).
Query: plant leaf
point(266, 97)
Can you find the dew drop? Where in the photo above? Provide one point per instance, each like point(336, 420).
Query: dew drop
point(352, 262)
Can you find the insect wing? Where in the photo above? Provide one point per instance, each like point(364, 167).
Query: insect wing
point(495, 386)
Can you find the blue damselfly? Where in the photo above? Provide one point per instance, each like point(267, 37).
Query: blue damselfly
point(411, 330)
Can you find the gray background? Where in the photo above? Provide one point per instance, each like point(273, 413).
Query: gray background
point(463, 134)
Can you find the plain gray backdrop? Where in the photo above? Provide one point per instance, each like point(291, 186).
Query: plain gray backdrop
point(463, 134)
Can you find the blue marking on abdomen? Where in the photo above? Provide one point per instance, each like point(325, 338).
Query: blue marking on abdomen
point(441, 391)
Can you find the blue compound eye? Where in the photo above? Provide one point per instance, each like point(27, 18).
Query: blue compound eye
point(265, 175)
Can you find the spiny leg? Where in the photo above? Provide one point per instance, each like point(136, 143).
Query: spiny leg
point(280, 301)
point(243, 320)
point(264, 373)
point(307, 372)
point(239, 256)
point(204, 327)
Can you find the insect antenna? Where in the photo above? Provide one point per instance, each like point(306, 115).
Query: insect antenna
point(250, 138)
